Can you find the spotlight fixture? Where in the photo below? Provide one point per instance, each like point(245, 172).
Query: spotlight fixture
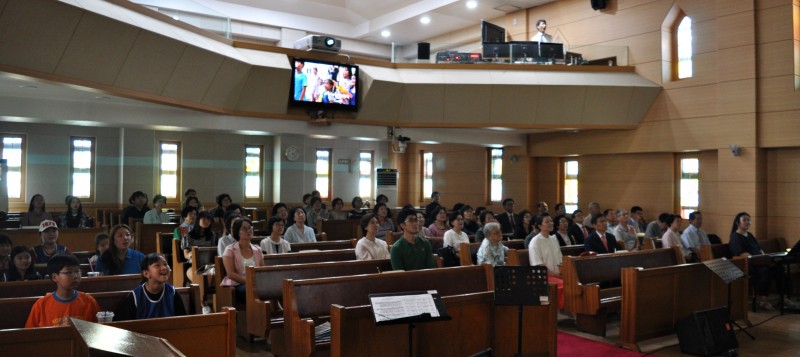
point(386, 33)
point(471, 4)
point(425, 20)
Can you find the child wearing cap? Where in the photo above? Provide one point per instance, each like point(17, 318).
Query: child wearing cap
point(55, 309)
point(48, 231)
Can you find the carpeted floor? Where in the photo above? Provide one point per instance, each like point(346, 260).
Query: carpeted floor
point(571, 345)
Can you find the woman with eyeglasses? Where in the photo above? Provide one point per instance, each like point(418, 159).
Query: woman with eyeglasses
point(239, 256)
point(454, 236)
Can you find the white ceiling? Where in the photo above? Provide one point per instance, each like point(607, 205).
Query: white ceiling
point(365, 19)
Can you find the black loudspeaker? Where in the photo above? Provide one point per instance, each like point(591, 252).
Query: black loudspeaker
point(706, 332)
point(423, 51)
point(598, 4)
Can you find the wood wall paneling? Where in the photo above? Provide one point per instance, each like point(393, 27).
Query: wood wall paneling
point(774, 24)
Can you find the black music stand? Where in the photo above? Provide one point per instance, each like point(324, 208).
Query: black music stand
point(729, 273)
point(521, 286)
point(403, 311)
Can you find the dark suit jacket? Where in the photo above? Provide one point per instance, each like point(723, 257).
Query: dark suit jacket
point(505, 222)
point(594, 244)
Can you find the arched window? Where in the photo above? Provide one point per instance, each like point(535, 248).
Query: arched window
point(683, 40)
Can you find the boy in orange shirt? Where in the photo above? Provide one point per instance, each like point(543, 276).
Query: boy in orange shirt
point(55, 308)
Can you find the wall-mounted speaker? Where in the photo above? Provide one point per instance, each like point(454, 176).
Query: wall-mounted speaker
point(424, 51)
point(598, 4)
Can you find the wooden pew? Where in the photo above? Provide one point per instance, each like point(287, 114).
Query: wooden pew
point(324, 245)
point(201, 256)
point(338, 229)
point(88, 285)
point(772, 245)
point(469, 256)
point(15, 311)
point(477, 324)
point(178, 264)
point(265, 286)
point(310, 257)
point(307, 300)
point(194, 335)
point(655, 299)
point(60, 341)
point(522, 256)
point(714, 251)
point(146, 235)
point(585, 278)
point(76, 239)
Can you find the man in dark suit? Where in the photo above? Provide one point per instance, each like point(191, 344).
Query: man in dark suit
point(506, 219)
point(595, 241)
point(430, 207)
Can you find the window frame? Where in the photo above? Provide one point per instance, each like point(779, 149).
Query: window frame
point(565, 175)
point(425, 197)
point(370, 174)
point(260, 196)
point(92, 167)
point(23, 164)
point(490, 176)
point(674, 56)
point(178, 168)
point(678, 181)
point(329, 175)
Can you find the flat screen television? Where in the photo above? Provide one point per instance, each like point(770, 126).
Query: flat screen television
point(492, 33)
point(496, 50)
point(320, 84)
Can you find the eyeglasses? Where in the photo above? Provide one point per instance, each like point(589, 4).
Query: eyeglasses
point(70, 272)
point(411, 220)
point(246, 229)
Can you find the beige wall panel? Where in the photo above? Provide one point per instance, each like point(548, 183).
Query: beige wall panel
point(782, 197)
point(24, 40)
point(734, 63)
point(516, 177)
point(776, 58)
point(466, 104)
point(784, 167)
point(778, 129)
point(150, 62)
point(505, 100)
point(704, 71)
point(381, 101)
point(518, 32)
point(736, 30)
point(766, 4)
point(547, 186)
point(556, 103)
point(603, 104)
point(227, 84)
point(652, 71)
point(785, 227)
point(774, 24)
point(265, 90)
point(777, 94)
point(704, 36)
point(736, 97)
point(422, 103)
point(642, 48)
point(97, 50)
point(193, 74)
point(686, 102)
point(727, 7)
point(739, 169)
point(736, 197)
point(698, 10)
point(581, 27)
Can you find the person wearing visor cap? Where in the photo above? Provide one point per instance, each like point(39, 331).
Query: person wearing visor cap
point(48, 232)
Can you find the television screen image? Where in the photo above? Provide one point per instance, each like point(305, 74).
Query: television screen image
point(324, 84)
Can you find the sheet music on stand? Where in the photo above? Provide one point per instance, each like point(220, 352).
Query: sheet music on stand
point(521, 285)
point(724, 269)
point(407, 306)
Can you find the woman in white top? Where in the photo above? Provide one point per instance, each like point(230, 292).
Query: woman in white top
point(369, 248)
point(454, 237)
point(671, 237)
point(275, 244)
point(543, 248)
point(299, 232)
point(155, 216)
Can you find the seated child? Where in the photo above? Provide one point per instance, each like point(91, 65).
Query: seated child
point(55, 309)
point(22, 265)
point(101, 243)
point(155, 297)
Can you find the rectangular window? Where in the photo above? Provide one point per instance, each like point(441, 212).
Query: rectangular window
point(253, 161)
point(570, 185)
point(365, 175)
point(427, 175)
point(689, 186)
point(323, 184)
point(170, 168)
point(14, 154)
point(82, 167)
point(496, 175)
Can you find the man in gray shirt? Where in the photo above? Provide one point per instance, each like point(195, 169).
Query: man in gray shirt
point(693, 237)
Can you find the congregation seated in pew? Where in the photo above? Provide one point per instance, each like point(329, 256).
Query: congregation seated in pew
point(155, 297)
point(55, 309)
point(369, 247)
point(298, 231)
point(274, 243)
point(48, 232)
point(120, 258)
point(201, 235)
point(20, 266)
point(239, 256)
point(411, 252)
point(491, 250)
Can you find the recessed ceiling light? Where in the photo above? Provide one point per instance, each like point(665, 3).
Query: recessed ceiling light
point(472, 4)
point(386, 33)
point(425, 20)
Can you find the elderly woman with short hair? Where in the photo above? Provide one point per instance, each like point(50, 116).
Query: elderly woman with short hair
point(492, 251)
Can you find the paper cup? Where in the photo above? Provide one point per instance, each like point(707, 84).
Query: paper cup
point(93, 274)
point(105, 316)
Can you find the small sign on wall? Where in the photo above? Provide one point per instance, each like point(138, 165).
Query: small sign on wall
point(344, 161)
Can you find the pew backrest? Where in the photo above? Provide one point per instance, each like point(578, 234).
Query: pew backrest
point(607, 267)
point(76, 239)
point(324, 245)
point(714, 251)
point(310, 257)
point(39, 288)
point(345, 229)
point(146, 235)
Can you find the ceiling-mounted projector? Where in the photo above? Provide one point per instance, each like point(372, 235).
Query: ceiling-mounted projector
point(318, 43)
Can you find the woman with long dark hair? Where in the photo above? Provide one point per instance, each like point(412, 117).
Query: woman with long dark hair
point(74, 218)
point(37, 212)
point(21, 267)
point(120, 258)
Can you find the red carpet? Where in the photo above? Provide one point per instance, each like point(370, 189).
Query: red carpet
point(571, 345)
